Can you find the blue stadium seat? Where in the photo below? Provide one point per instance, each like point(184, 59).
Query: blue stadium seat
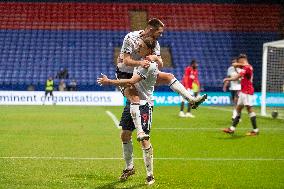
point(33, 55)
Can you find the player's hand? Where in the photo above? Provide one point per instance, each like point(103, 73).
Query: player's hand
point(225, 80)
point(103, 80)
point(151, 57)
point(156, 59)
point(145, 63)
point(224, 88)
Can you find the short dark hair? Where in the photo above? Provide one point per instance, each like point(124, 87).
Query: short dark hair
point(155, 23)
point(193, 61)
point(234, 59)
point(242, 56)
point(150, 42)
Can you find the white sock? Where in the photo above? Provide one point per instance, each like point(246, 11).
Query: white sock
point(148, 160)
point(256, 130)
point(136, 116)
point(235, 113)
point(252, 114)
point(233, 128)
point(177, 87)
point(128, 154)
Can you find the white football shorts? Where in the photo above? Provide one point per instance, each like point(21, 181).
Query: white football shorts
point(245, 99)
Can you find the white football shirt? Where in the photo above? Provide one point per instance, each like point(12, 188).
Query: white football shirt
point(145, 87)
point(130, 45)
point(234, 85)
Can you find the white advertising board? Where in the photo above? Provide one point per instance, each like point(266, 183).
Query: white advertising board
point(61, 98)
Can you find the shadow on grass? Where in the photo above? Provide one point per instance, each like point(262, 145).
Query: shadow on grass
point(112, 185)
point(231, 137)
point(90, 177)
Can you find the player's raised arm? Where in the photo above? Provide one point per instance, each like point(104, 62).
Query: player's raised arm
point(104, 80)
point(225, 86)
point(129, 46)
point(128, 61)
point(236, 77)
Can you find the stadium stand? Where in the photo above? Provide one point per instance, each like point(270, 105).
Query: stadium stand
point(38, 39)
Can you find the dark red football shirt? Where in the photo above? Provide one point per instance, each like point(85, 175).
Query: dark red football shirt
point(190, 76)
point(246, 80)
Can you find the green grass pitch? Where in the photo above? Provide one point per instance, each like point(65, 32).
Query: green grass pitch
point(79, 147)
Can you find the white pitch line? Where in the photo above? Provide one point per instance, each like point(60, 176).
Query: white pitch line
point(214, 129)
point(227, 110)
point(114, 119)
point(166, 158)
point(116, 122)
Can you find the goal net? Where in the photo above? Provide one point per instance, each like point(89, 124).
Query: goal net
point(272, 71)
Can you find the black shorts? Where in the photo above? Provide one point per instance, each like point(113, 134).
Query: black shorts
point(126, 121)
point(234, 94)
point(50, 92)
point(122, 75)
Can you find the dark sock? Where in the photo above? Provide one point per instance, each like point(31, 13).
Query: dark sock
point(253, 122)
point(236, 121)
point(188, 107)
point(181, 106)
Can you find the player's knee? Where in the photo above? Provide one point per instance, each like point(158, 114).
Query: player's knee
point(145, 144)
point(249, 109)
point(170, 76)
point(134, 99)
point(125, 136)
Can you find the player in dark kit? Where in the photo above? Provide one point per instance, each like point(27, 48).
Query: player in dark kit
point(245, 96)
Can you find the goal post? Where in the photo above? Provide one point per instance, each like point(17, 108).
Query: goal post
point(272, 70)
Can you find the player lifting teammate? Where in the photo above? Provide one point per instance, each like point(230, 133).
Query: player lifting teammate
point(143, 80)
point(129, 58)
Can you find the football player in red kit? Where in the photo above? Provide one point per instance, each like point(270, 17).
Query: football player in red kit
point(191, 83)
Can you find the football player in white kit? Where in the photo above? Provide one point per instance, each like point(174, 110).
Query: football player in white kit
point(143, 81)
point(235, 86)
point(129, 58)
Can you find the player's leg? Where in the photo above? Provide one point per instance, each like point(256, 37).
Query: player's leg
point(236, 120)
point(146, 113)
point(148, 161)
point(252, 116)
point(188, 113)
point(127, 127)
point(52, 97)
point(127, 147)
point(132, 95)
point(170, 80)
point(181, 112)
point(234, 97)
point(45, 96)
